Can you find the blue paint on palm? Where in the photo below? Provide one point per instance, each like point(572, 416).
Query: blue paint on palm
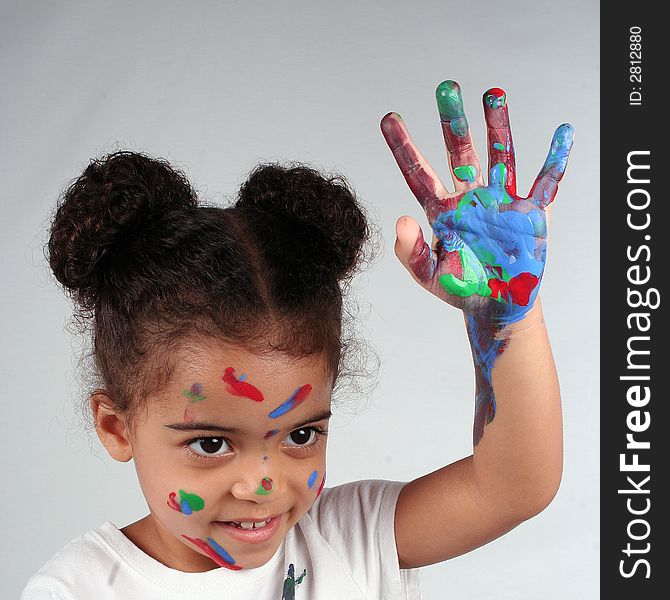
point(499, 238)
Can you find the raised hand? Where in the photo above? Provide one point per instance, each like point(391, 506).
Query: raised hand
point(490, 248)
point(489, 244)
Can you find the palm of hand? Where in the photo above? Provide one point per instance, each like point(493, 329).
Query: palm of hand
point(500, 243)
point(491, 244)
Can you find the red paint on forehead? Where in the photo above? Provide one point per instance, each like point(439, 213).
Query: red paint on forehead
point(188, 416)
point(240, 388)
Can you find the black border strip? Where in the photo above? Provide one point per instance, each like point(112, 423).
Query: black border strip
point(635, 362)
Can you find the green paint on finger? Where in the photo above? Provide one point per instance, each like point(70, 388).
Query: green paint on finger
point(495, 98)
point(449, 99)
point(450, 107)
point(466, 173)
point(499, 146)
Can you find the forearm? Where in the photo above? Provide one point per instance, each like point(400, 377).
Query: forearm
point(517, 463)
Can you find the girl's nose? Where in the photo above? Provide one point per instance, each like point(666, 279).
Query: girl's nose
point(256, 481)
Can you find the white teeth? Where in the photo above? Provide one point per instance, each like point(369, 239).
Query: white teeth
point(250, 524)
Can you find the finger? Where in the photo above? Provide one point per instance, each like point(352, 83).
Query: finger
point(463, 161)
point(498, 178)
point(413, 251)
point(546, 184)
point(501, 149)
point(421, 179)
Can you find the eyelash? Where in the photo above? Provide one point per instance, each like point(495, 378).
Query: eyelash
point(321, 434)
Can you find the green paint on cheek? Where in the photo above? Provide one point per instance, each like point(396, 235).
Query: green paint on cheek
point(498, 146)
point(466, 173)
point(193, 500)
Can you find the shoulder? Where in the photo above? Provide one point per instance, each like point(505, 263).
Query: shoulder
point(357, 514)
point(60, 578)
point(363, 501)
point(356, 521)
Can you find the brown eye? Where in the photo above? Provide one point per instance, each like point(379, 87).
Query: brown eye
point(301, 437)
point(210, 446)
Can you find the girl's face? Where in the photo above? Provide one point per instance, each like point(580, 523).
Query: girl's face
point(230, 455)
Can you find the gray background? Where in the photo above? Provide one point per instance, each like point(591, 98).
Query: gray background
point(216, 87)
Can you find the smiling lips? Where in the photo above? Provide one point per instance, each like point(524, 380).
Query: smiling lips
point(252, 531)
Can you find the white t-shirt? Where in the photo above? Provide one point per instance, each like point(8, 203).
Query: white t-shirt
point(342, 549)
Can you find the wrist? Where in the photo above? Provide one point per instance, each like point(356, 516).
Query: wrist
point(501, 327)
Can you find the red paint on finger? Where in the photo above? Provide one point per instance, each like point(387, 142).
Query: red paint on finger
point(425, 186)
point(495, 98)
point(238, 387)
point(420, 261)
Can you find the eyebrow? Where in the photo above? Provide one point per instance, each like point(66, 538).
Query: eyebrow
point(203, 426)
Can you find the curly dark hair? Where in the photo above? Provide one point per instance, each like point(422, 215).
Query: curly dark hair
point(150, 268)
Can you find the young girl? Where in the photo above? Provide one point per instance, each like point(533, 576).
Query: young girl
point(217, 336)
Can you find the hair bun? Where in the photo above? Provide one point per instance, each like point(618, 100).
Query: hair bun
point(315, 219)
point(101, 215)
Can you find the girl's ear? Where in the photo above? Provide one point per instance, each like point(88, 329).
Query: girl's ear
point(111, 427)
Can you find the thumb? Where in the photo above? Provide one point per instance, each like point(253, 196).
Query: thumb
point(413, 251)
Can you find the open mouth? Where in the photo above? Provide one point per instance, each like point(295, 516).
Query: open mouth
point(251, 531)
point(249, 525)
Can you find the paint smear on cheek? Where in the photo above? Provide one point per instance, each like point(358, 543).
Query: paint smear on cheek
point(215, 552)
point(323, 482)
point(297, 398)
point(312, 479)
point(239, 387)
point(187, 503)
